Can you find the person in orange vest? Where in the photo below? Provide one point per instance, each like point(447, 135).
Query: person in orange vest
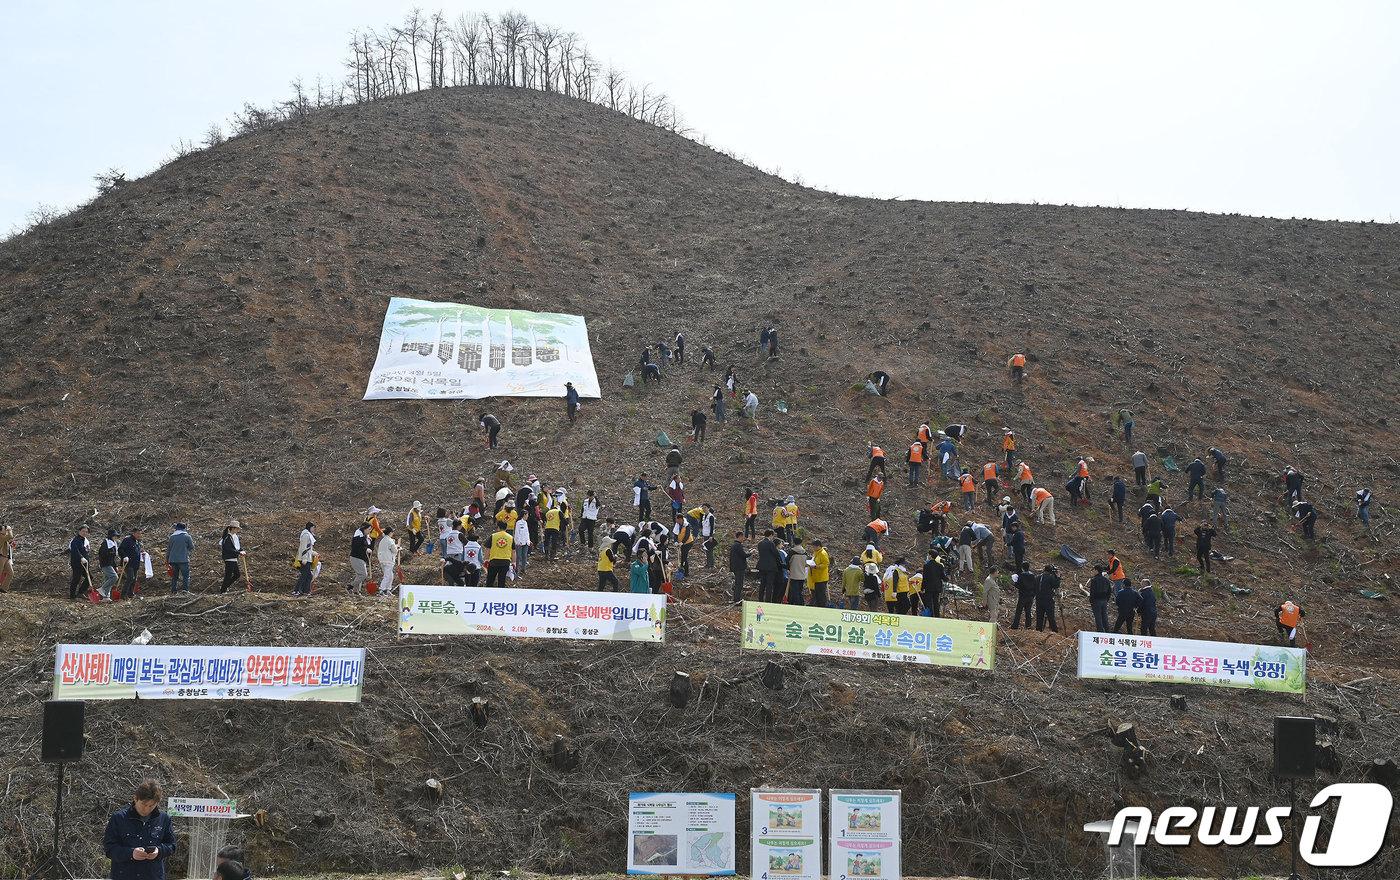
point(1027, 481)
point(990, 482)
point(1083, 473)
point(750, 513)
point(1043, 504)
point(1018, 366)
point(926, 438)
point(969, 490)
point(940, 510)
point(376, 531)
point(877, 462)
point(873, 490)
point(875, 530)
point(1289, 615)
point(1116, 574)
point(1008, 445)
point(915, 458)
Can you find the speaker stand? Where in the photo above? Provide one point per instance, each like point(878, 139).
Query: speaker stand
point(1293, 829)
point(53, 866)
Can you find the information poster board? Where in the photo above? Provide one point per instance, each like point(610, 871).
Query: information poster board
point(1187, 661)
point(864, 835)
point(532, 614)
point(868, 635)
point(680, 834)
point(207, 672)
point(445, 350)
point(787, 833)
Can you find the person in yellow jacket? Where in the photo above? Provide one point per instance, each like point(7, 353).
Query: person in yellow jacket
point(852, 581)
point(607, 558)
point(896, 583)
point(414, 523)
point(553, 522)
point(1008, 445)
point(819, 573)
point(870, 560)
point(499, 556)
point(507, 517)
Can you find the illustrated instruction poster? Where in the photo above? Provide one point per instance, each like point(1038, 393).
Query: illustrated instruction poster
point(444, 351)
point(787, 834)
point(680, 833)
point(865, 835)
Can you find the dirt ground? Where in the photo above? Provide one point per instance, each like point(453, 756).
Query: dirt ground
point(193, 347)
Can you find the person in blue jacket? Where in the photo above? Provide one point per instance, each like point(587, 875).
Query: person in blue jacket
point(1147, 610)
point(139, 838)
point(1127, 599)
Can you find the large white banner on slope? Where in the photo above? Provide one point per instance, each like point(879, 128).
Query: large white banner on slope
point(439, 350)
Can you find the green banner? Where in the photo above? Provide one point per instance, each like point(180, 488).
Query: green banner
point(867, 635)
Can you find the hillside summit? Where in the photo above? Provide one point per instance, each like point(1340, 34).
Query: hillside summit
point(193, 347)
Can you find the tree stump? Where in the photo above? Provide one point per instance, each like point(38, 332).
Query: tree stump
point(680, 689)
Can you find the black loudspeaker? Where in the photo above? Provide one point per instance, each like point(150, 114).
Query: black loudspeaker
point(63, 731)
point(1295, 741)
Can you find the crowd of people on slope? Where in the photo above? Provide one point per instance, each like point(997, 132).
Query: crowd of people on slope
point(497, 536)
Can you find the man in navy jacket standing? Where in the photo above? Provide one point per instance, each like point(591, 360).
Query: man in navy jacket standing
point(139, 838)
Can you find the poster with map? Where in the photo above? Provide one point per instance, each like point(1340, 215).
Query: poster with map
point(444, 351)
point(680, 834)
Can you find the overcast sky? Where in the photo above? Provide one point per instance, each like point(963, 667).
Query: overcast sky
point(1277, 108)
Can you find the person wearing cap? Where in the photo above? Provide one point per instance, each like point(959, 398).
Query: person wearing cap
point(305, 560)
point(1008, 445)
point(132, 554)
point(177, 555)
point(376, 531)
point(870, 560)
point(414, 523)
point(107, 561)
point(566, 515)
point(78, 552)
point(571, 400)
point(1045, 587)
point(231, 549)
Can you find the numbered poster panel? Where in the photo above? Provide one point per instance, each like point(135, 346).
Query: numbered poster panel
point(680, 833)
point(787, 833)
point(864, 835)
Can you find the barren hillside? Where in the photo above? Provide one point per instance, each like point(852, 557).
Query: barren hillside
point(194, 346)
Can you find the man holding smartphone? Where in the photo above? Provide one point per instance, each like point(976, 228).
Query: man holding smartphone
point(139, 836)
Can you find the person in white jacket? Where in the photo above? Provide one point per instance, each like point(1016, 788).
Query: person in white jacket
point(588, 525)
point(388, 551)
point(522, 545)
point(306, 560)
